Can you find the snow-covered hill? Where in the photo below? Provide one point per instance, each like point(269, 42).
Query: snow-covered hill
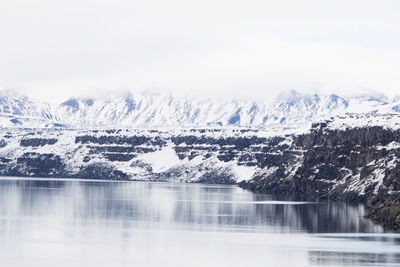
point(155, 110)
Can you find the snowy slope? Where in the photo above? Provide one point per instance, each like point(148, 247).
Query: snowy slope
point(19, 110)
point(155, 110)
point(165, 109)
point(191, 155)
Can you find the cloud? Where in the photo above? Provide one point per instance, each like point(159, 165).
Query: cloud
point(56, 49)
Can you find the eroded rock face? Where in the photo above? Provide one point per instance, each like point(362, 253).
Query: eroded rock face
point(355, 164)
point(35, 164)
point(386, 212)
point(358, 164)
point(192, 155)
point(101, 171)
point(35, 142)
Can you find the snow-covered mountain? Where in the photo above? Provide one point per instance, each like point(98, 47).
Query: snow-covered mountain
point(169, 110)
point(154, 110)
point(19, 110)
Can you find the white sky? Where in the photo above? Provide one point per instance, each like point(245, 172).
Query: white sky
point(55, 49)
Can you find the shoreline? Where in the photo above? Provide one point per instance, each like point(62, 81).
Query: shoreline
point(384, 211)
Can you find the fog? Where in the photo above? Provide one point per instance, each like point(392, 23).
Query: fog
point(57, 49)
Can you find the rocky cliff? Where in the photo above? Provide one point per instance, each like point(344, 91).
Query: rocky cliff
point(191, 155)
point(350, 163)
point(353, 157)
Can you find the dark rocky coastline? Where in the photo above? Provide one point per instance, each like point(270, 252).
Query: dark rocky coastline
point(358, 164)
point(386, 212)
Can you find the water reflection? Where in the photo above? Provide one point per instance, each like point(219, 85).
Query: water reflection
point(342, 258)
point(85, 223)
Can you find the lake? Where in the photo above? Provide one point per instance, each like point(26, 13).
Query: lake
point(103, 223)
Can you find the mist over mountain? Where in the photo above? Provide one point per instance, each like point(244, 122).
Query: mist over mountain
point(159, 110)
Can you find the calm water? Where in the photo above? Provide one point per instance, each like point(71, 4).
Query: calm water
point(92, 223)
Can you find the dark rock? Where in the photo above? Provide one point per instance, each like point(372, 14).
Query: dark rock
point(386, 212)
point(35, 142)
point(101, 171)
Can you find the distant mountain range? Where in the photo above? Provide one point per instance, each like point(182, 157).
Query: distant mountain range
point(155, 110)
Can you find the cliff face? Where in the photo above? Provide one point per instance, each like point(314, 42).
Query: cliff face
point(190, 155)
point(356, 164)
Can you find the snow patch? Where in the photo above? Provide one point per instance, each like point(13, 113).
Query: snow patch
point(243, 173)
point(161, 160)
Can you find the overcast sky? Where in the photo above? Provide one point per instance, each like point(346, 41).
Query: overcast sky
point(54, 49)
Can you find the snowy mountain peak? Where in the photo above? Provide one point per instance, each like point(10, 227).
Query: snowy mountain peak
point(15, 104)
point(156, 109)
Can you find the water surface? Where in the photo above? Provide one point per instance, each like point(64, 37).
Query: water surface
point(96, 223)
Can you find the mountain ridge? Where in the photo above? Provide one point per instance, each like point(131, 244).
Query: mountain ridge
point(156, 109)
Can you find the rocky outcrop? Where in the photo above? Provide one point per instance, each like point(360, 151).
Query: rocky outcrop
point(35, 164)
point(386, 212)
point(100, 171)
point(355, 164)
point(35, 142)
